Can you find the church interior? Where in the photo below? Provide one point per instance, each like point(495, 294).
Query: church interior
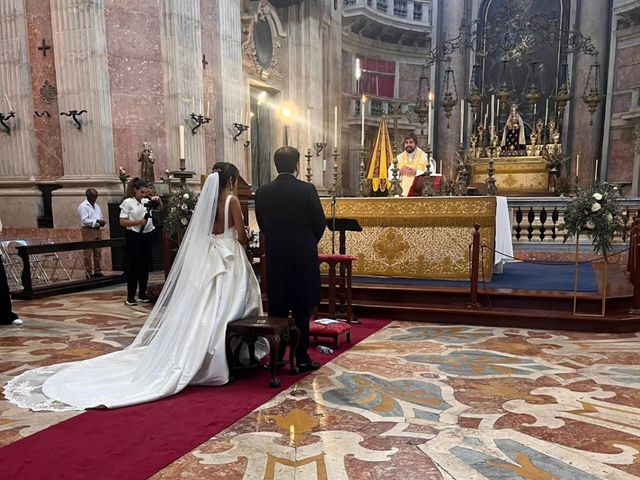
point(478, 165)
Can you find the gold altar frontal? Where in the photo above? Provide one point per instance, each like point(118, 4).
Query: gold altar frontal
point(421, 237)
point(514, 175)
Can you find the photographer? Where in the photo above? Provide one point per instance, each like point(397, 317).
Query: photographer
point(135, 214)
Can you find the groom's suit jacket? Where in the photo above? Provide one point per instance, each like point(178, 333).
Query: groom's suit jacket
point(292, 221)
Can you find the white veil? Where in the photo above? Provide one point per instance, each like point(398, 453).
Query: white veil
point(181, 290)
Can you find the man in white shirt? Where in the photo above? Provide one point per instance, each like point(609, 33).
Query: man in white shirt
point(7, 317)
point(92, 223)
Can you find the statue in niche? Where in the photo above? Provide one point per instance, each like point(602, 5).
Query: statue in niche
point(146, 159)
point(514, 140)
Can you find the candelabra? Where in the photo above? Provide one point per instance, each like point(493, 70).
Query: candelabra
point(364, 185)
point(199, 119)
point(334, 186)
point(240, 128)
point(309, 156)
point(396, 187)
point(182, 173)
point(3, 119)
point(428, 191)
point(74, 114)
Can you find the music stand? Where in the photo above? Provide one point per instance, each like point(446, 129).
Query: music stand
point(342, 225)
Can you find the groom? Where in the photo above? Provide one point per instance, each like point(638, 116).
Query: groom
point(292, 221)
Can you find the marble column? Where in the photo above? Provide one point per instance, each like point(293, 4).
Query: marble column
point(183, 81)
point(635, 182)
point(19, 199)
point(592, 19)
point(447, 140)
point(234, 90)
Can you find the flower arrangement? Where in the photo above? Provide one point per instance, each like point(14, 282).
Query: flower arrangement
point(594, 211)
point(124, 178)
point(180, 211)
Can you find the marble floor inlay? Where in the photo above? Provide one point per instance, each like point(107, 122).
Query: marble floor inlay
point(414, 400)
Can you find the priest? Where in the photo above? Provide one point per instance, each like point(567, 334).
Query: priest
point(411, 162)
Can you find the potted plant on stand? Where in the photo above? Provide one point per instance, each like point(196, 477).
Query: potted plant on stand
point(594, 212)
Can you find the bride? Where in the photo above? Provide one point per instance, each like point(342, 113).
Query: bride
point(182, 343)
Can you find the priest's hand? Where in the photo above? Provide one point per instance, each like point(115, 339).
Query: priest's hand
point(407, 170)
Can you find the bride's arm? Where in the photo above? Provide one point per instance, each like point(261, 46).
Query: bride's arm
point(236, 216)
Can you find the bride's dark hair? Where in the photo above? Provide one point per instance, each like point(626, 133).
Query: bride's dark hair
point(225, 172)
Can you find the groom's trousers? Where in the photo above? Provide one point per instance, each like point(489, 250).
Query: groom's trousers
point(301, 317)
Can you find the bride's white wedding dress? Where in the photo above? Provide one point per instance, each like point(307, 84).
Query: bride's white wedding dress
point(182, 342)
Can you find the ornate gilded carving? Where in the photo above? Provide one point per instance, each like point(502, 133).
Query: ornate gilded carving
point(415, 237)
point(48, 92)
point(253, 54)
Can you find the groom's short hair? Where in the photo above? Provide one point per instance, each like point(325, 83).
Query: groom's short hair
point(286, 159)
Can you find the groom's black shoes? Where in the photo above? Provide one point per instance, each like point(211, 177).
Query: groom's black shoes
point(308, 367)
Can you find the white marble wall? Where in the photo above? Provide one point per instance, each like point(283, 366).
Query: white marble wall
point(183, 83)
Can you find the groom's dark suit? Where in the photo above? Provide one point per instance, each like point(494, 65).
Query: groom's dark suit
point(292, 221)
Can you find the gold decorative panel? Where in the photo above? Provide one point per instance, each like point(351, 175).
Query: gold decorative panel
point(415, 237)
point(514, 175)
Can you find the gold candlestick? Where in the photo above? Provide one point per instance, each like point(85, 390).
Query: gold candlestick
point(309, 156)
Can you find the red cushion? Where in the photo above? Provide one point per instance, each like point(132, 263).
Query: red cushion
point(336, 257)
point(331, 330)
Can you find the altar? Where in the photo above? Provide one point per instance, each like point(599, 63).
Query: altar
point(515, 176)
point(421, 237)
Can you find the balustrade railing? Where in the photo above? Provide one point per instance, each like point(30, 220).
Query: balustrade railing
point(414, 11)
point(541, 220)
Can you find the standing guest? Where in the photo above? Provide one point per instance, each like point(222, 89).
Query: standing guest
point(290, 216)
point(7, 317)
point(92, 222)
point(135, 216)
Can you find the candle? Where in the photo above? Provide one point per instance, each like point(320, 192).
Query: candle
point(193, 105)
point(208, 105)
point(577, 164)
point(546, 112)
point(364, 99)
point(440, 169)
point(595, 174)
point(498, 110)
point(335, 126)
point(430, 117)
point(181, 141)
point(461, 123)
point(308, 126)
point(8, 102)
point(535, 110)
point(493, 113)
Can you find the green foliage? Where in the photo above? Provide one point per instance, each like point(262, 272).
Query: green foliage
point(595, 212)
point(180, 210)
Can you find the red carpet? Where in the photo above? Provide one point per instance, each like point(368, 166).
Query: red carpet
point(136, 442)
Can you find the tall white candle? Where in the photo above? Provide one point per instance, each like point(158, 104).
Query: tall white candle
point(193, 103)
point(595, 173)
point(498, 112)
point(546, 112)
point(440, 167)
point(309, 127)
point(362, 102)
point(181, 141)
point(493, 112)
point(462, 107)
point(208, 105)
point(335, 126)
point(577, 164)
point(8, 103)
point(430, 118)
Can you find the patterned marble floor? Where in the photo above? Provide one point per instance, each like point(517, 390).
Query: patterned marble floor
point(414, 400)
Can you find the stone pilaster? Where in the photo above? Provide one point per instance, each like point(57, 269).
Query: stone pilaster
point(233, 93)
point(183, 81)
point(79, 42)
point(19, 199)
point(18, 148)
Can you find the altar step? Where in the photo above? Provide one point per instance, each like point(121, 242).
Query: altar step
point(548, 310)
